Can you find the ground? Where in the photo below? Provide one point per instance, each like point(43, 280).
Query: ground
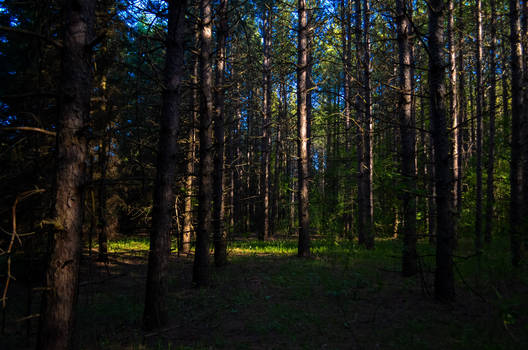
point(343, 297)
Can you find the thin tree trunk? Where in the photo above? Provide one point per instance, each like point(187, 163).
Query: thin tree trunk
point(58, 304)
point(303, 126)
point(453, 107)
point(369, 159)
point(516, 178)
point(490, 199)
point(103, 226)
point(155, 314)
point(480, 99)
point(444, 277)
point(205, 175)
point(264, 229)
point(220, 235)
point(408, 140)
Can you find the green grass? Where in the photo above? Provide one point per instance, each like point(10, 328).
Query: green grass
point(343, 297)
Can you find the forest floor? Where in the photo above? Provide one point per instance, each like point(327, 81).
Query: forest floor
point(344, 297)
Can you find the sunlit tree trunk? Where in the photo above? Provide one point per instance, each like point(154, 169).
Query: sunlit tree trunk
point(58, 305)
point(303, 126)
point(265, 168)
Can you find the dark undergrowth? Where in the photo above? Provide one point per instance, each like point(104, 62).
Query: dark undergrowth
point(344, 297)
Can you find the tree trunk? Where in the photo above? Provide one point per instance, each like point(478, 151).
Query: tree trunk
point(205, 175)
point(103, 226)
point(220, 235)
point(453, 100)
point(490, 199)
point(155, 314)
point(303, 126)
point(444, 278)
point(264, 229)
point(58, 305)
point(480, 99)
point(408, 140)
point(516, 179)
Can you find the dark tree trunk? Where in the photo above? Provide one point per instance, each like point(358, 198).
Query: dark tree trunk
point(205, 175)
point(220, 235)
point(58, 305)
point(444, 278)
point(516, 180)
point(490, 199)
point(408, 139)
point(265, 168)
point(155, 314)
point(303, 126)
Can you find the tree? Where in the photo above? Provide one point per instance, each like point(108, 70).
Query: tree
point(480, 99)
point(408, 139)
point(58, 305)
point(516, 175)
point(220, 238)
point(265, 176)
point(205, 174)
point(155, 314)
point(303, 125)
point(444, 278)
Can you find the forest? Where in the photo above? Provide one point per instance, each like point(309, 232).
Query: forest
point(263, 174)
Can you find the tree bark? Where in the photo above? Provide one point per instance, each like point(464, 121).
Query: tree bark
point(265, 168)
point(58, 305)
point(155, 314)
point(444, 278)
point(408, 140)
point(453, 103)
point(205, 175)
point(220, 235)
point(303, 127)
point(490, 198)
point(480, 99)
point(516, 175)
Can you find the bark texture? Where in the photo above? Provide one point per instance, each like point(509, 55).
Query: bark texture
point(155, 314)
point(58, 305)
point(444, 278)
point(205, 175)
point(408, 140)
point(303, 126)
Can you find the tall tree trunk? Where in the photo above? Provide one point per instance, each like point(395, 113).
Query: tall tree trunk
point(58, 305)
point(303, 126)
point(220, 235)
point(368, 125)
point(408, 139)
point(480, 100)
point(461, 114)
point(453, 100)
point(265, 168)
point(205, 175)
point(516, 178)
point(155, 314)
point(444, 278)
point(490, 199)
